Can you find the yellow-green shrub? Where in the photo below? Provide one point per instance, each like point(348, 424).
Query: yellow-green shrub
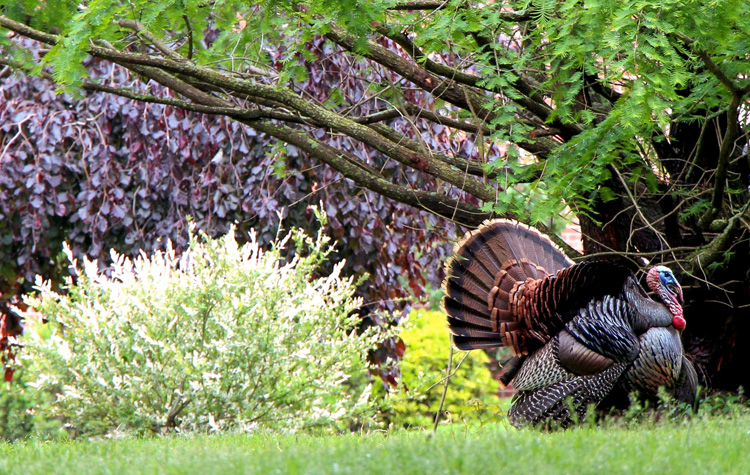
point(472, 392)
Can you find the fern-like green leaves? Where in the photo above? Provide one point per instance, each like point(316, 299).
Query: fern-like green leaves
point(612, 76)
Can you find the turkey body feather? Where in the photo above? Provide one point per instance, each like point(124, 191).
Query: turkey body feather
point(578, 331)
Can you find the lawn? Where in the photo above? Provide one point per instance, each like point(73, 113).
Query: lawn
point(714, 446)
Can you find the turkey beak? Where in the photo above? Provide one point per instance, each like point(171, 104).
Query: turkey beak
point(675, 290)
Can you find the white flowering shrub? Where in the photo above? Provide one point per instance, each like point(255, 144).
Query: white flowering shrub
point(225, 337)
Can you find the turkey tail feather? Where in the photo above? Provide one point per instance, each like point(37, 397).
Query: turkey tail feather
point(487, 264)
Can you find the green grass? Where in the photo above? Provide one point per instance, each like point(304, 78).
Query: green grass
point(715, 446)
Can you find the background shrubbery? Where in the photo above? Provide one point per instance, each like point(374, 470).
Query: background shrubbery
point(472, 392)
point(225, 337)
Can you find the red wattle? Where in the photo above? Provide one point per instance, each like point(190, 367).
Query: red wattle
point(678, 321)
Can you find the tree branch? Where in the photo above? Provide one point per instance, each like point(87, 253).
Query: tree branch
point(721, 243)
point(417, 112)
point(450, 208)
point(600, 88)
point(129, 93)
point(420, 5)
point(734, 89)
point(725, 152)
point(458, 162)
point(158, 44)
point(233, 112)
point(415, 5)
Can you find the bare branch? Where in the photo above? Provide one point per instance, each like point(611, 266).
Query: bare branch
point(418, 112)
point(637, 254)
point(725, 152)
point(632, 199)
point(414, 5)
point(439, 204)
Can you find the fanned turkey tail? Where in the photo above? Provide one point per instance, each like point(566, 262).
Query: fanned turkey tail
point(487, 268)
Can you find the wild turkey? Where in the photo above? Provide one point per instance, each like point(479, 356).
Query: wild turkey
point(578, 331)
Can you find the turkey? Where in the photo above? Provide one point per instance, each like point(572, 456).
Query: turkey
point(578, 332)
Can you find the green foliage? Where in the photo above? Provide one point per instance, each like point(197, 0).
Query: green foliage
point(225, 337)
point(710, 445)
point(666, 409)
point(18, 411)
point(634, 48)
point(725, 404)
point(239, 26)
point(472, 392)
point(594, 95)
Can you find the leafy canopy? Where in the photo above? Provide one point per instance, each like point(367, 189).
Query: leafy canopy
point(642, 56)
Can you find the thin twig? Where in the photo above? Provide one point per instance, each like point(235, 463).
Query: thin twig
point(190, 37)
point(420, 5)
point(158, 44)
point(637, 208)
point(445, 391)
point(455, 370)
point(638, 254)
